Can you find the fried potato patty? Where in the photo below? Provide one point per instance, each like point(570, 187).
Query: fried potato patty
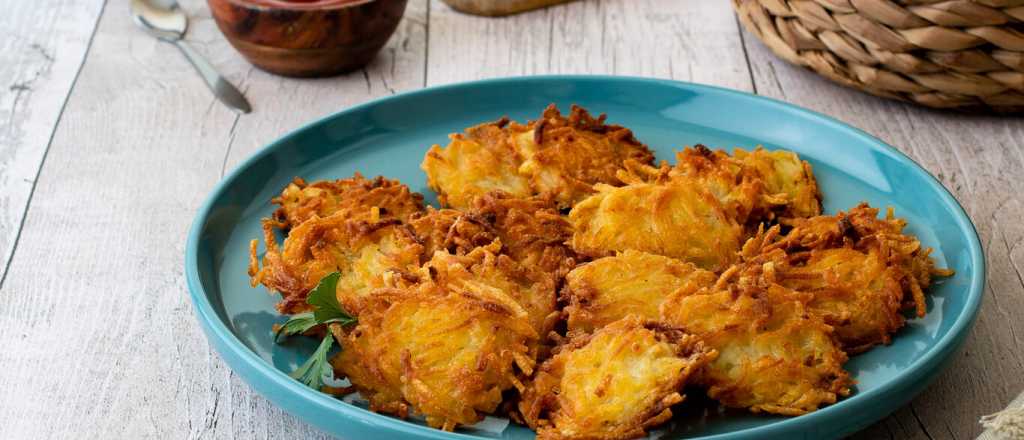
point(613, 384)
point(717, 273)
point(484, 269)
point(366, 254)
point(611, 288)
point(565, 156)
point(670, 219)
point(752, 186)
point(862, 271)
point(359, 198)
point(443, 354)
point(531, 230)
point(786, 177)
point(451, 230)
point(774, 355)
point(481, 160)
point(855, 291)
point(556, 157)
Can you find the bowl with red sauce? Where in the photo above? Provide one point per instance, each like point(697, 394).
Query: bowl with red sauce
point(307, 38)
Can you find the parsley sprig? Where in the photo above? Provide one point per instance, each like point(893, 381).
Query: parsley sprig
point(312, 372)
point(326, 310)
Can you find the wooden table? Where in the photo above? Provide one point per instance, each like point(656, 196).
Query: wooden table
point(109, 142)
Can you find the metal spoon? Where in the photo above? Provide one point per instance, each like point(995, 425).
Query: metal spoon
point(163, 19)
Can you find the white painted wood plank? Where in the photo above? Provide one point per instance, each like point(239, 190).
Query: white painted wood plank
point(688, 40)
point(102, 341)
point(289, 103)
point(979, 159)
point(42, 45)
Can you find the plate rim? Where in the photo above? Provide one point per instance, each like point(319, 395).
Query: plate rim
point(222, 338)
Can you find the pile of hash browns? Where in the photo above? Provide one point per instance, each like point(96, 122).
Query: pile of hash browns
point(572, 284)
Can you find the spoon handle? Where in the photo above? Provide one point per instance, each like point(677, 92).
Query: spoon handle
point(220, 87)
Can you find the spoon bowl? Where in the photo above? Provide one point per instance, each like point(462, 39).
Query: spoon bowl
point(165, 20)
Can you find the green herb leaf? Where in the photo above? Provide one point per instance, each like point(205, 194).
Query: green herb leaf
point(326, 310)
point(316, 367)
point(297, 324)
point(324, 299)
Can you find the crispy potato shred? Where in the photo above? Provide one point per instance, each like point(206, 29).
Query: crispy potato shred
point(613, 383)
point(445, 354)
point(863, 271)
point(366, 254)
point(670, 219)
point(358, 197)
point(571, 284)
point(608, 289)
point(556, 157)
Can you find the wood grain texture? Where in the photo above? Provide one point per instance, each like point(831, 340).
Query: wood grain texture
point(499, 7)
point(998, 432)
point(291, 103)
point(102, 338)
point(42, 45)
point(979, 159)
point(688, 40)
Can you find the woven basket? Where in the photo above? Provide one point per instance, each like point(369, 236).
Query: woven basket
point(961, 54)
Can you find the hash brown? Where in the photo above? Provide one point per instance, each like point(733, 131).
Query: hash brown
point(445, 355)
point(359, 198)
point(366, 254)
point(670, 219)
point(610, 288)
point(613, 384)
point(555, 157)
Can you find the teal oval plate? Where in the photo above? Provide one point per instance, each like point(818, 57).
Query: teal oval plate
point(389, 137)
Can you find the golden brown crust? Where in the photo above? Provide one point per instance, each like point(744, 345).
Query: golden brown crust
point(445, 355)
point(531, 231)
point(565, 156)
point(450, 230)
point(764, 332)
point(366, 254)
point(670, 219)
point(556, 157)
point(485, 270)
point(359, 198)
point(787, 178)
point(774, 356)
point(752, 186)
point(608, 289)
point(481, 160)
point(862, 271)
point(613, 384)
point(855, 291)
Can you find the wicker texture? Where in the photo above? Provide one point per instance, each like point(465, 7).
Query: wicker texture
point(964, 54)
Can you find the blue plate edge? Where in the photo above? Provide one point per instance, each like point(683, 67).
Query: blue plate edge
point(232, 348)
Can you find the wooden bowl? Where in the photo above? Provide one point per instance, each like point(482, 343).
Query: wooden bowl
point(306, 38)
